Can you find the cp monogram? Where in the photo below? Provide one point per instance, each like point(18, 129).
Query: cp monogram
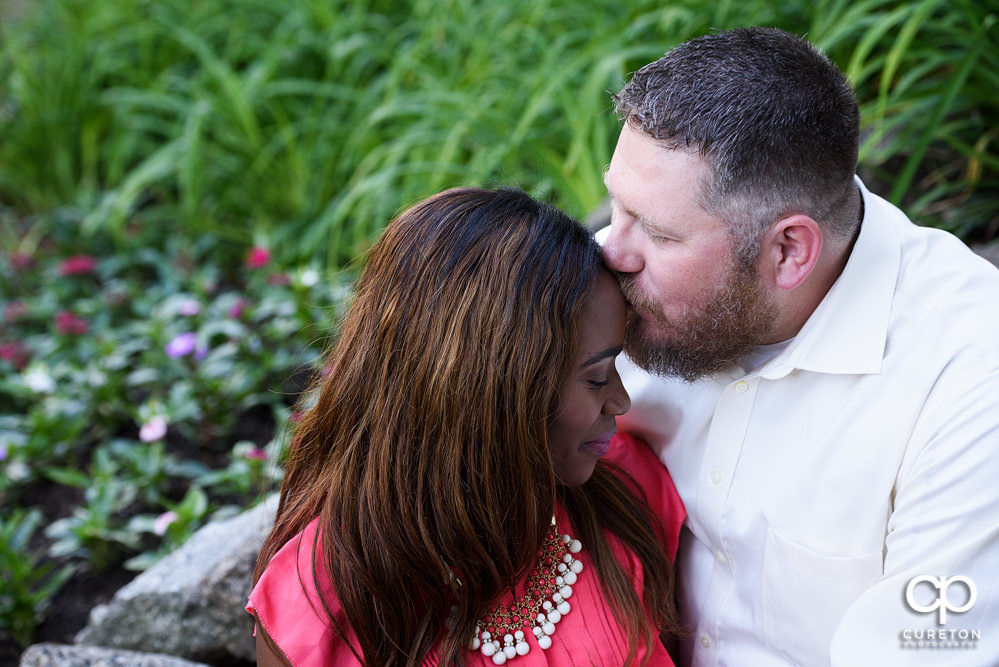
point(942, 602)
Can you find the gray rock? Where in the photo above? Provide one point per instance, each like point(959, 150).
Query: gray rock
point(65, 655)
point(191, 603)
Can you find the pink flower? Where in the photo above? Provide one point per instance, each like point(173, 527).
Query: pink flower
point(22, 261)
point(3, 452)
point(77, 265)
point(236, 309)
point(189, 308)
point(153, 430)
point(258, 257)
point(256, 454)
point(16, 353)
point(182, 344)
point(163, 522)
point(69, 323)
point(14, 311)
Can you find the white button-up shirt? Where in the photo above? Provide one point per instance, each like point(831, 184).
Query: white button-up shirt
point(863, 455)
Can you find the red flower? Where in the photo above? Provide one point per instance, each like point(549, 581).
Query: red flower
point(22, 261)
point(77, 265)
point(258, 257)
point(16, 353)
point(69, 323)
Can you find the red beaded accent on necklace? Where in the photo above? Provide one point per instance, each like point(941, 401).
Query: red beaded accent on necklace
point(540, 585)
point(499, 635)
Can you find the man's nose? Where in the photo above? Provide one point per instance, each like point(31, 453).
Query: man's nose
point(620, 252)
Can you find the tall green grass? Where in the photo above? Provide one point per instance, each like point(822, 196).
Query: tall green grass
point(927, 74)
point(308, 123)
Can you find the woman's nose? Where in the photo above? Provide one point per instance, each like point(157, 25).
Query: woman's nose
point(618, 402)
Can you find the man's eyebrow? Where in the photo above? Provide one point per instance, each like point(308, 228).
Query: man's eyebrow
point(642, 219)
point(599, 356)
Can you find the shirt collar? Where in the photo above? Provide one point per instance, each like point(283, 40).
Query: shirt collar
point(847, 332)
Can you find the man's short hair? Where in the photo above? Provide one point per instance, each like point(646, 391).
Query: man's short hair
point(774, 118)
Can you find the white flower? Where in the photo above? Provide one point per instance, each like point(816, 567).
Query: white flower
point(309, 277)
point(39, 380)
point(17, 471)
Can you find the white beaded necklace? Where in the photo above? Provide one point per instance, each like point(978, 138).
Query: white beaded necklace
point(499, 634)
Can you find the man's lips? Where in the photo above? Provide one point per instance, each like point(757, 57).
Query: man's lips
point(599, 446)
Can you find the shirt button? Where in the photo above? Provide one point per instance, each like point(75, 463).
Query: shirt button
point(720, 557)
point(705, 641)
point(715, 477)
point(741, 386)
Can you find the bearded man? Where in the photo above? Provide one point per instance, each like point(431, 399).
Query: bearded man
point(819, 374)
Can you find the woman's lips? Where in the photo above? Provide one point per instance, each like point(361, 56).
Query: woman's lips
point(600, 446)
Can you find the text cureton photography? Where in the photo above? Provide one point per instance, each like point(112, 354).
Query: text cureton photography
point(926, 594)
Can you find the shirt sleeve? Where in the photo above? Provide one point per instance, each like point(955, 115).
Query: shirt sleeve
point(654, 481)
point(941, 548)
point(288, 605)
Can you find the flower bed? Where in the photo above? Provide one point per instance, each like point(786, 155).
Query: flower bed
point(144, 391)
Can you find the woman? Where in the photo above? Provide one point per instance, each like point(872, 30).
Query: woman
point(464, 427)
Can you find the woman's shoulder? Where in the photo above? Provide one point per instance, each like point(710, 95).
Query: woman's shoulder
point(636, 458)
point(653, 482)
point(294, 602)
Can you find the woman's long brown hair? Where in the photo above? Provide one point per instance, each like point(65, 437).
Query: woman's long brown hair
point(425, 449)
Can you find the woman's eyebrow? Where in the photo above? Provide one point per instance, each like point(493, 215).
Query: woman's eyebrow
point(609, 352)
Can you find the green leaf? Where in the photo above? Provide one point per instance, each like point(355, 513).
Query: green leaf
point(68, 476)
point(932, 125)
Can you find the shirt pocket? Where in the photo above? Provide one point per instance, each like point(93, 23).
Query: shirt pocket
point(805, 594)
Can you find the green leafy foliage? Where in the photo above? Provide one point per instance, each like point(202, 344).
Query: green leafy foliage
point(314, 122)
point(925, 74)
point(146, 389)
point(28, 583)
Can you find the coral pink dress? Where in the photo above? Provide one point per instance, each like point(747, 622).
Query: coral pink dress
point(285, 601)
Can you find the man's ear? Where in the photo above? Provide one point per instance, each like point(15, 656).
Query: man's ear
point(790, 251)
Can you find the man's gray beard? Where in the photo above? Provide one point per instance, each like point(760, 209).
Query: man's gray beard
point(736, 319)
